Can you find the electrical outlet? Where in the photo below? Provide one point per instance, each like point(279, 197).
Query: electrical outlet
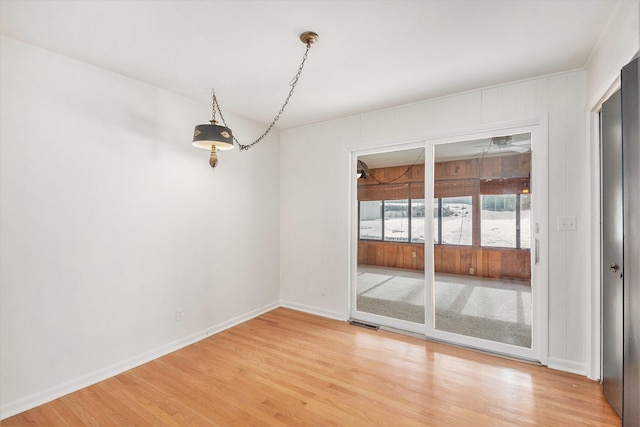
point(567, 223)
point(179, 314)
point(323, 291)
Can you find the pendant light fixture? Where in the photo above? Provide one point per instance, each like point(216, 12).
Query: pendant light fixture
point(219, 138)
point(362, 170)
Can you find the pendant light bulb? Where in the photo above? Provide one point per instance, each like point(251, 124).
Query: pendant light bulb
point(213, 158)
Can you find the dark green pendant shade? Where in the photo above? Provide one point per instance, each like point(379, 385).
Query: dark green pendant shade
point(206, 136)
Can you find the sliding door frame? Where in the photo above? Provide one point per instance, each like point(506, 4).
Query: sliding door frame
point(353, 297)
point(538, 128)
point(539, 245)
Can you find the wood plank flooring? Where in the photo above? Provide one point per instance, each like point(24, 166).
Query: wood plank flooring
point(291, 368)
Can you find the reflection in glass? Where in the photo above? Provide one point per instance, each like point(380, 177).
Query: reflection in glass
point(396, 220)
point(498, 221)
point(525, 221)
point(506, 221)
point(371, 220)
point(436, 221)
point(457, 220)
point(417, 221)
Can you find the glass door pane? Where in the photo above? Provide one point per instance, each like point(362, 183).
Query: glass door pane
point(390, 285)
point(482, 240)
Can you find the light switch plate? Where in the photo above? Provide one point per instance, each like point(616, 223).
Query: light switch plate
point(567, 223)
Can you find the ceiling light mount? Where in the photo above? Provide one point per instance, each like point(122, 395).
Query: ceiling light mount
point(309, 37)
point(216, 137)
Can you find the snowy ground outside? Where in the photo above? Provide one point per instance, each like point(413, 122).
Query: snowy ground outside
point(497, 231)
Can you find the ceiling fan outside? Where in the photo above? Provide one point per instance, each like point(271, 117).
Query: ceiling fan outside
point(518, 143)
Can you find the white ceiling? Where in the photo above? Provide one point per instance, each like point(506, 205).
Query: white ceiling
point(371, 54)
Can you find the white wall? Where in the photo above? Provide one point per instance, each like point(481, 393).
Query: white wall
point(110, 220)
point(315, 211)
point(618, 44)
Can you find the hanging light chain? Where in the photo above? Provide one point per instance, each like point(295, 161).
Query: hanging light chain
point(214, 102)
point(216, 107)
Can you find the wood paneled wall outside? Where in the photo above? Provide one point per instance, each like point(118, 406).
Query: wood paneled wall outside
point(409, 256)
point(290, 368)
point(509, 174)
point(396, 175)
point(507, 166)
point(495, 263)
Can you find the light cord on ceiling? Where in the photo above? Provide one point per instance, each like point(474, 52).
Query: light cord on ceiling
point(405, 172)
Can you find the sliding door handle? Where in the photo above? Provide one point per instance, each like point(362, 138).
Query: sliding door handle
point(537, 255)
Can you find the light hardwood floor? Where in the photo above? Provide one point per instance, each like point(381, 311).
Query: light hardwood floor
point(291, 368)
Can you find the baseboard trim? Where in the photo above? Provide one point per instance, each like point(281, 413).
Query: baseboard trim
point(9, 409)
point(314, 310)
point(567, 366)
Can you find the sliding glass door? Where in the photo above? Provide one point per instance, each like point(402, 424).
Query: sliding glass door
point(449, 240)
